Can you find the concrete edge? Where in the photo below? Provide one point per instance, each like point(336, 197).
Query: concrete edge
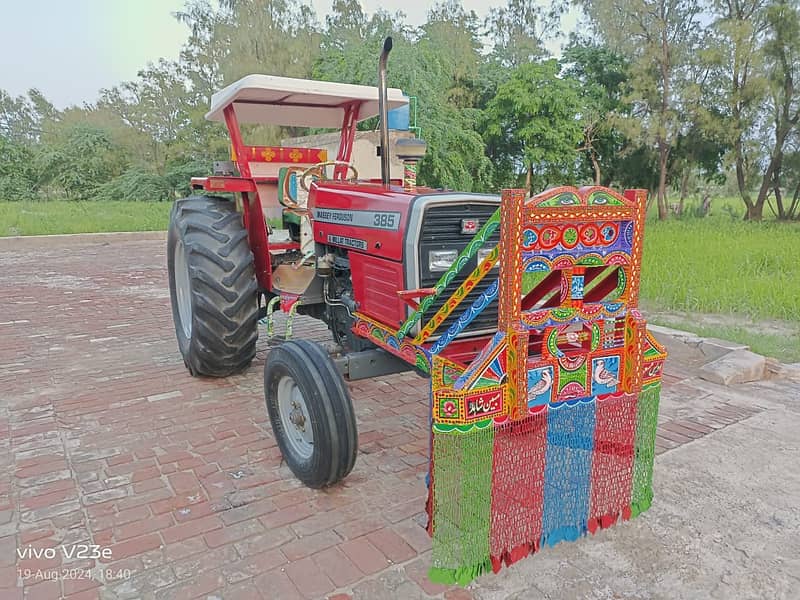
point(88, 233)
point(722, 353)
point(117, 235)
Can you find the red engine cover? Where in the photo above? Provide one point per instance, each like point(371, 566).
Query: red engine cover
point(370, 221)
point(375, 284)
point(366, 218)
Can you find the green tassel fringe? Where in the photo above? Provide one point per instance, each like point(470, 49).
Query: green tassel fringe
point(462, 576)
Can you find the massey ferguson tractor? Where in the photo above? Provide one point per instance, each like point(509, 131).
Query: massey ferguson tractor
point(522, 311)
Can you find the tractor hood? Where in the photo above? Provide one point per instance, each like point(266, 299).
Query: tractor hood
point(373, 218)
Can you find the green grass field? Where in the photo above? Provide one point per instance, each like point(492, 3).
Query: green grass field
point(726, 278)
point(42, 218)
point(725, 267)
point(716, 276)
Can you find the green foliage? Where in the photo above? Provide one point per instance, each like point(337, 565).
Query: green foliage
point(179, 173)
point(603, 79)
point(660, 39)
point(782, 57)
point(267, 36)
point(79, 161)
point(455, 159)
point(17, 119)
point(699, 150)
point(533, 120)
point(155, 105)
point(436, 64)
point(18, 179)
point(517, 30)
point(135, 184)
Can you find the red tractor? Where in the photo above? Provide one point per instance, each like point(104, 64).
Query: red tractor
point(345, 247)
point(537, 327)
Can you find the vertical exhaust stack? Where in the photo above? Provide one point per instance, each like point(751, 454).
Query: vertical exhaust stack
point(384, 110)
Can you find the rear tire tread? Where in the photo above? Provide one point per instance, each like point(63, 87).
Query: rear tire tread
point(223, 287)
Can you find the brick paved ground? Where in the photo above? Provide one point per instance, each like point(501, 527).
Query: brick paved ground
point(105, 439)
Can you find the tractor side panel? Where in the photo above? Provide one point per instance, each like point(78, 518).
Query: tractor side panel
point(375, 285)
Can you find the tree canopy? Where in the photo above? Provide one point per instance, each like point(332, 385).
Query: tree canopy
point(671, 95)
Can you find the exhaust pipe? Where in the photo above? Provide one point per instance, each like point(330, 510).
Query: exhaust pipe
point(384, 110)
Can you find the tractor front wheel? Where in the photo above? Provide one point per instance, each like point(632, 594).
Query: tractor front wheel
point(311, 413)
point(212, 286)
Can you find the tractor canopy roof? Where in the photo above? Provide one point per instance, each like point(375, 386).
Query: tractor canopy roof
point(297, 102)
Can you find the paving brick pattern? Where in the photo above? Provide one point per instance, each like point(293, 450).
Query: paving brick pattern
point(105, 439)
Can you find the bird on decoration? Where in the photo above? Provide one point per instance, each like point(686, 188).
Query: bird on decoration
point(602, 376)
point(542, 386)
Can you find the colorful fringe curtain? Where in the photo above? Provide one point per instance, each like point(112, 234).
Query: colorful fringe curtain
point(502, 492)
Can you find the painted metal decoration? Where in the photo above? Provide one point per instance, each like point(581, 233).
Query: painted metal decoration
point(549, 432)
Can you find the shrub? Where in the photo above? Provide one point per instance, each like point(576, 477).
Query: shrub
point(136, 184)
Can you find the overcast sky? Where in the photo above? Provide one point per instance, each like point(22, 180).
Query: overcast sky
point(70, 49)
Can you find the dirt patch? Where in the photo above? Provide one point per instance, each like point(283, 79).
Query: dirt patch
point(762, 327)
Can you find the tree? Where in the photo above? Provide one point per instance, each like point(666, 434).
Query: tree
point(352, 43)
point(603, 78)
point(274, 37)
point(443, 65)
point(782, 51)
point(201, 58)
point(18, 179)
point(203, 53)
point(517, 31)
point(21, 117)
point(534, 121)
point(740, 85)
point(436, 64)
point(156, 103)
point(697, 152)
point(450, 41)
point(345, 26)
point(658, 37)
point(80, 158)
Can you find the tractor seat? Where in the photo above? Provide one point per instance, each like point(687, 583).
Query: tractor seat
point(290, 195)
point(295, 206)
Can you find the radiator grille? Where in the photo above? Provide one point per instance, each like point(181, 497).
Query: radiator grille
point(441, 229)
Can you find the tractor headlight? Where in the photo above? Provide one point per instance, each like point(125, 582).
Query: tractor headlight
point(441, 260)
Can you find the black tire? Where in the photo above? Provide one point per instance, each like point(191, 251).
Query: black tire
point(214, 292)
point(330, 411)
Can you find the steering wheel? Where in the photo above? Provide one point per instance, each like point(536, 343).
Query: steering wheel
point(318, 170)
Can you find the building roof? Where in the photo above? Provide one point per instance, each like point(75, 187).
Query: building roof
point(297, 102)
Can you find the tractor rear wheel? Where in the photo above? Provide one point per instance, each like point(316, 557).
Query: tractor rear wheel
point(311, 413)
point(212, 286)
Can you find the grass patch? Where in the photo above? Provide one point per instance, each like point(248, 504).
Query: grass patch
point(718, 265)
point(44, 218)
point(726, 278)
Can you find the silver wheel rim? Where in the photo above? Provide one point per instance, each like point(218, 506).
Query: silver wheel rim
point(183, 289)
point(295, 418)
